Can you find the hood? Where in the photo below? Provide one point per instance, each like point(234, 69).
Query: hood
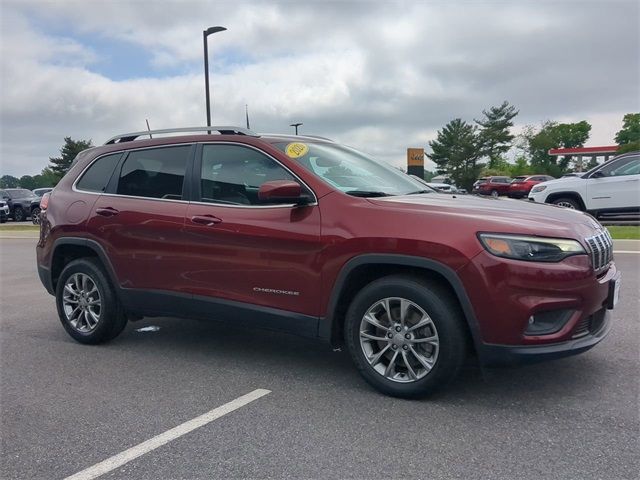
point(497, 214)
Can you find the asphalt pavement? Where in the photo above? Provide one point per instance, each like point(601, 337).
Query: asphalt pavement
point(66, 407)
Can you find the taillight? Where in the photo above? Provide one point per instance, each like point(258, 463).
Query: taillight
point(44, 202)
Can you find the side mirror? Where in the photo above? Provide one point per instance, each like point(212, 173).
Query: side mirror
point(282, 191)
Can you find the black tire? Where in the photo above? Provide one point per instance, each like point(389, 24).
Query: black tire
point(35, 216)
point(567, 203)
point(18, 214)
point(3, 220)
point(447, 318)
point(112, 318)
point(495, 194)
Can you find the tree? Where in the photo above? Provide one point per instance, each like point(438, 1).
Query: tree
point(47, 178)
point(456, 152)
point(71, 148)
point(28, 182)
point(495, 137)
point(553, 135)
point(630, 131)
point(8, 181)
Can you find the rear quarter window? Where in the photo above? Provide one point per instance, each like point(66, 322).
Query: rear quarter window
point(97, 176)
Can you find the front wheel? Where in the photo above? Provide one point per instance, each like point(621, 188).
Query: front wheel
point(494, 193)
point(87, 304)
point(567, 203)
point(18, 214)
point(406, 336)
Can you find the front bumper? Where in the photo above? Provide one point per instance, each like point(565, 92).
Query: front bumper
point(511, 355)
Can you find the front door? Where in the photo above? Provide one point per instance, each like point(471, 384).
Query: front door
point(245, 251)
point(618, 187)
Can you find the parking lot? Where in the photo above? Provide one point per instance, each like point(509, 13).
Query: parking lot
point(66, 407)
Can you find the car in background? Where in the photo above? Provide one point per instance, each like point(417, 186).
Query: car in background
point(522, 185)
point(20, 202)
point(613, 187)
point(494, 186)
point(4, 211)
point(39, 192)
point(440, 187)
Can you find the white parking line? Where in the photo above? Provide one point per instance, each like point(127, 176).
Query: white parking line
point(134, 452)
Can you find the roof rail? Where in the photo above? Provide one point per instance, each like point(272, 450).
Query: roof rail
point(314, 137)
point(225, 130)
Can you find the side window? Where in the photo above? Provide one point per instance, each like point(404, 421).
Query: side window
point(232, 174)
point(154, 173)
point(96, 177)
point(626, 166)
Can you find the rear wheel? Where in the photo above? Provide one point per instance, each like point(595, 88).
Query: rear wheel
point(87, 305)
point(405, 335)
point(494, 193)
point(35, 216)
point(567, 203)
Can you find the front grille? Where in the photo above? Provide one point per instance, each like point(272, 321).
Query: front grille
point(600, 249)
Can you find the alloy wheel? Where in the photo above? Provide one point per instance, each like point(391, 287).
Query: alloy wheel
point(81, 302)
point(566, 205)
point(399, 340)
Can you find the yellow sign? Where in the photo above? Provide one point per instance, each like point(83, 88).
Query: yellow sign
point(296, 150)
point(415, 157)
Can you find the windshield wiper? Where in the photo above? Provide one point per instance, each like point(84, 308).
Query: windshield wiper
point(419, 191)
point(367, 193)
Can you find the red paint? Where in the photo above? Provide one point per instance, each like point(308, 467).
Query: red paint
point(584, 150)
point(241, 253)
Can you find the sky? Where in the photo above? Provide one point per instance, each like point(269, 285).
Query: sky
point(379, 76)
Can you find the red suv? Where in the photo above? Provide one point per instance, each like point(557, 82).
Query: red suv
point(306, 235)
point(494, 186)
point(522, 185)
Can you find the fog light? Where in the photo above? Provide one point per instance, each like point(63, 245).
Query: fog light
point(546, 323)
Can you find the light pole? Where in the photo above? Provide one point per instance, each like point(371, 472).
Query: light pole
point(296, 125)
point(205, 34)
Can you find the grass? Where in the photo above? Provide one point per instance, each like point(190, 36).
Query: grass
point(624, 232)
point(19, 227)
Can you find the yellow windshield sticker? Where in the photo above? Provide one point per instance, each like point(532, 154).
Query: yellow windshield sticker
point(296, 150)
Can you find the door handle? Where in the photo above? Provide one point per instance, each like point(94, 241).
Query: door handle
point(107, 211)
point(208, 220)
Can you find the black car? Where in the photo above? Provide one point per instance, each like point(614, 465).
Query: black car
point(20, 201)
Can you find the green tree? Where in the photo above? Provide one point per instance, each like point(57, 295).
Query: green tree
point(520, 167)
point(495, 136)
point(28, 182)
point(47, 178)
point(456, 151)
point(71, 148)
point(553, 135)
point(8, 181)
point(629, 147)
point(630, 131)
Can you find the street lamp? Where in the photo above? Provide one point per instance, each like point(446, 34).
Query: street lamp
point(296, 125)
point(205, 34)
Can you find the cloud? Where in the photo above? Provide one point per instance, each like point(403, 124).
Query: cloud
point(378, 76)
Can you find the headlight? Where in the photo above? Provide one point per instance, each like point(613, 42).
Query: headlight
point(538, 188)
point(531, 249)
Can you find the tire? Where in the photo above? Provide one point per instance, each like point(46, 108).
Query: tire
point(18, 214)
point(35, 216)
point(567, 202)
point(494, 193)
point(445, 355)
point(111, 318)
point(3, 220)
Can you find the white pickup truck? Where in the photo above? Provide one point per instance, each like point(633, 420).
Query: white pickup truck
point(613, 187)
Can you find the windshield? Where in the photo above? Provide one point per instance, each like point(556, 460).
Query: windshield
point(351, 171)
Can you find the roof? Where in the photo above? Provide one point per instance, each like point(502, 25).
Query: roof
point(584, 150)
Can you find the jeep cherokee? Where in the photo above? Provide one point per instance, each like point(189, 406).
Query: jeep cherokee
point(309, 236)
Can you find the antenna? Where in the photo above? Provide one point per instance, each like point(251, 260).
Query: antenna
point(149, 129)
point(246, 111)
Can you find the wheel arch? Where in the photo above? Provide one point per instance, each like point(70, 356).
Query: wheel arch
point(67, 249)
point(364, 269)
point(567, 194)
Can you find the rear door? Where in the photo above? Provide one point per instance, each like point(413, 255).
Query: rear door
point(250, 252)
point(139, 220)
